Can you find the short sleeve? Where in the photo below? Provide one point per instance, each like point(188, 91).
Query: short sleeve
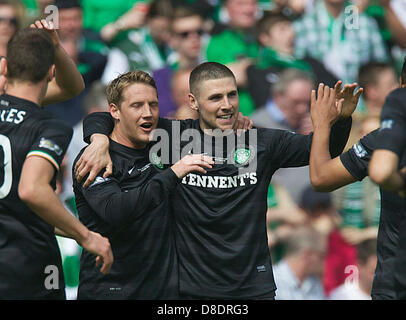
point(392, 132)
point(52, 142)
point(356, 159)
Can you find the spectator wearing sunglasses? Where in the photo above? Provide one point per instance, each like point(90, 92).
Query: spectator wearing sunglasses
point(186, 41)
point(9, 23)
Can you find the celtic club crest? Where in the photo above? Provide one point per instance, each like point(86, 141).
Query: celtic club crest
point(242, 156)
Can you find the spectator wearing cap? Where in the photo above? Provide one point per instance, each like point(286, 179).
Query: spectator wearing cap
point(319, 210)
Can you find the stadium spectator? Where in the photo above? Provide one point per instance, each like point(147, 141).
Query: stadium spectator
point(298, 274)
point(186, 41)
point(340, 36)
point(359, 205)
point(378, 79)
point(180, 93)
point(11, 20)
point(145, 49)
point(276, 37)
point(358, 284)
point(289, 110)
point(236, 46)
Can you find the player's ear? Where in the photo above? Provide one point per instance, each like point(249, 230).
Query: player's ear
point(51, 73)
point(114, 111)
point(193, 102)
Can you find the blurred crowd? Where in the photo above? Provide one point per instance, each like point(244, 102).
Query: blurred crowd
point(323, 244)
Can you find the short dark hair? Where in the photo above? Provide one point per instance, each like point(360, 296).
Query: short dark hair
point(403, 73)
point(370, 72)
point(67, 4)
point(30, 55)
point(269, 20)
point(160, 8)
point(208, 71)
point(366, 249)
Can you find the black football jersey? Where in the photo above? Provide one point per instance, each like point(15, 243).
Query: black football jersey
point(131, 208)
point(220, 217)
point(356, 161)
point(27, 243)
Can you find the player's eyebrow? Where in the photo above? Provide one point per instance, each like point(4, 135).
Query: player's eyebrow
point(215, 96)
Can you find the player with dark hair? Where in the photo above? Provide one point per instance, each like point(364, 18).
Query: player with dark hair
point(220, 224)
point(386, 162)
point(32, 145)
point(132, 206)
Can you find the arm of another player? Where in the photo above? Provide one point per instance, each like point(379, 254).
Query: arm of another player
point(116, 206)
point(383, 170)
point(384, 165)
point(35, 190)
point(326, 174)
point(68, 82)
point(96, 157)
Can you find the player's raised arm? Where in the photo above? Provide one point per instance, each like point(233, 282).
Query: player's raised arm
point(383, 170)
point(328, 174)
point(68, 82)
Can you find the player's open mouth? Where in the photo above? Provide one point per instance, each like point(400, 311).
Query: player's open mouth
point(225, 117)
point(147, 126)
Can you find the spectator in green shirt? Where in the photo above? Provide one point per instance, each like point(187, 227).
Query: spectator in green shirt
point(145, 49)
point(340, 36)
point(276, 36)
point(237, 47)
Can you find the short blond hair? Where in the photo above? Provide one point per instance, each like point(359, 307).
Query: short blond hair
point(115, 88)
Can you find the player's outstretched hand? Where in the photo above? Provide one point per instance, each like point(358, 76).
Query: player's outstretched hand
point(94, 159)
point(325, 110)
point(190, 163)
point(100, 246)
point(243, 124)
point(350, 100)
point(49, 27)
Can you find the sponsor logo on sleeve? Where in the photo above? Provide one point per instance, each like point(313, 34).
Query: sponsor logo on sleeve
point(387, 124)
point(50, 145)
point(359, 150)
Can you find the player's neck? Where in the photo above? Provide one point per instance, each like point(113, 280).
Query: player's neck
point(26, 91)
point(118, 136)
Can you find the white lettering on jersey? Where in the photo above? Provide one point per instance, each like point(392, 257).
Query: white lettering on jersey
point(12, 116)
point(220, 182)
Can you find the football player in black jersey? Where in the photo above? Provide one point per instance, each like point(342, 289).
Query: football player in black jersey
point(32, 146)
point(386, 167)
point(131, 207)
point(220, 224)
point(328, 174)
